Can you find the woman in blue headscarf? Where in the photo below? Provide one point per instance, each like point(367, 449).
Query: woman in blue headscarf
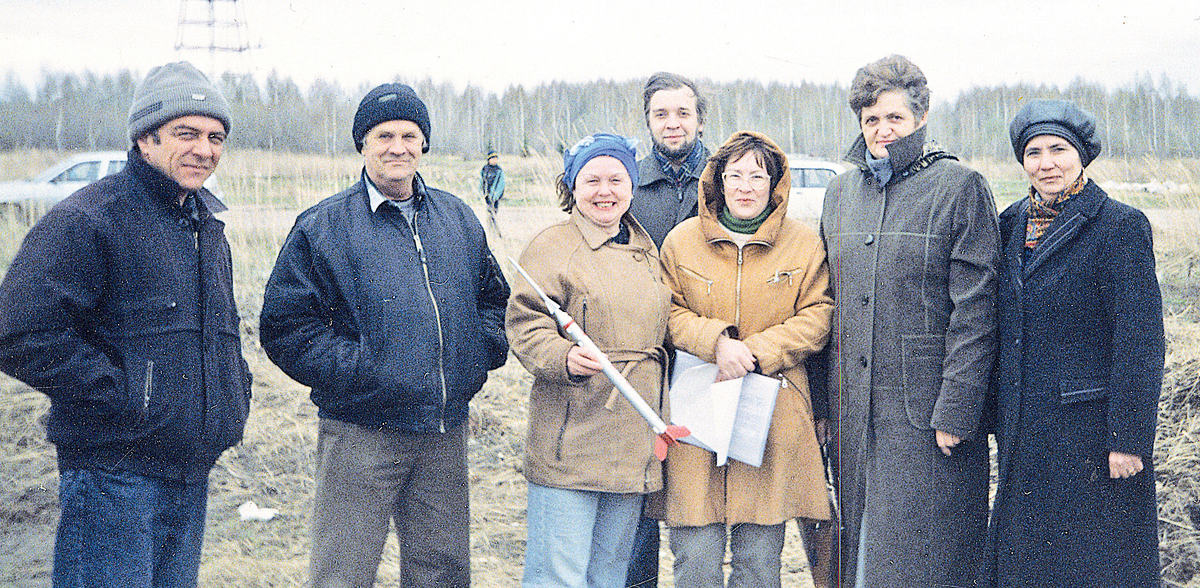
point(589, 456)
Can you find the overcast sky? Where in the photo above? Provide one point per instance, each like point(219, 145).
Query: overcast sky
point(498, 43)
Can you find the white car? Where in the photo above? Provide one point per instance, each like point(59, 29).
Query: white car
point(810, 177)
point(61, 180)
point(66, 177)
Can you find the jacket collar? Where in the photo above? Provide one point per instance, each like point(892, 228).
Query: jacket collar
point(649, 171)
point(902, 152)
point(596, 238)
point(1078, 213)
point(165, 189)
point(375, 197)
point(711, 199)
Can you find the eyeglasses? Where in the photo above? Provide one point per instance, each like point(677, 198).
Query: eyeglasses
point(756, 181)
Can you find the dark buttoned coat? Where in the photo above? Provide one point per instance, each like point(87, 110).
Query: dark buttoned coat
point(1079, 373)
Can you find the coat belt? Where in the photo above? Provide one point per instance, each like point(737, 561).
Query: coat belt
point(631, 358)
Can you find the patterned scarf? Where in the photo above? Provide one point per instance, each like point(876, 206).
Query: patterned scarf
point(680, 175)
point(1042, 214)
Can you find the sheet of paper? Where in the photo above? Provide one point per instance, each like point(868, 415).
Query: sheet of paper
point(692, 407)
point(755, 407)
point(731, 418)
point(685, 361)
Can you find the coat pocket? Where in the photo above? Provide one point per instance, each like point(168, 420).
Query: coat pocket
point(698, 278)
point(922, 372)
point(786, 276)
point(139, 394)
point(1081, 390)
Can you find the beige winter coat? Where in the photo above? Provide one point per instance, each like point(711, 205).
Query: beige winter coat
point(583, 434)
point(774, 294)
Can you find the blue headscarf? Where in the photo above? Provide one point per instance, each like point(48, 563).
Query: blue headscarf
point(591, 146)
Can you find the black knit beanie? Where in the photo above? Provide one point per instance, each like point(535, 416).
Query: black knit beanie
point(390, 102)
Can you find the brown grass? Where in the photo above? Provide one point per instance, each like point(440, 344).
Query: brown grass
point(274, 465)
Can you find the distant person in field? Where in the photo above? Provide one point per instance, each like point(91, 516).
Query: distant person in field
point(119, 306)
point(491, 183)
point(1079, 374)
point(386, 301)
point(666, 196)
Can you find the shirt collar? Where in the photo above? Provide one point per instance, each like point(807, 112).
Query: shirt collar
point(376, 198)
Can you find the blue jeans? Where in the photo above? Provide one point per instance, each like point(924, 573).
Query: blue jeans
point(124, 530)
point(579, 539)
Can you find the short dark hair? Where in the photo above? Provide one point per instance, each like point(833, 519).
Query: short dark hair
point(892, 73)
point(736, 148)
point(669, 81)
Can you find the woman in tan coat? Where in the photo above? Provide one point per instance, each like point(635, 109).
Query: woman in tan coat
point(589, 456)
point(749, 294)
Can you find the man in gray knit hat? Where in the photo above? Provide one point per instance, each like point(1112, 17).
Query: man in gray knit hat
point(119, 307)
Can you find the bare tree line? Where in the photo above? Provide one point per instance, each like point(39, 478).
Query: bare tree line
point(78, 111)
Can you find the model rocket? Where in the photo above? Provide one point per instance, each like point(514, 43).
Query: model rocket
point(667, 434)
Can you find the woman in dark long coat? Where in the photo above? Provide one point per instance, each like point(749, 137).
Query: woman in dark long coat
point(913, 244)
point(1079, 373)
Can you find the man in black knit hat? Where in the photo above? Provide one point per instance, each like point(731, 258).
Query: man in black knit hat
point(386, 301)
point(119, 307)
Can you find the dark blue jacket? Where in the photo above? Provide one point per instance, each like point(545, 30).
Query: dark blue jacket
point(125, 318)
point(389, 327)
point(1079, 373)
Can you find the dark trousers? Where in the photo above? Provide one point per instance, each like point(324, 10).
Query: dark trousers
point(120, 529)
point(368, 477)
point(643, 563)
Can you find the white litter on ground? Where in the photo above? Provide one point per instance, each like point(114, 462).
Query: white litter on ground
point(251, 512)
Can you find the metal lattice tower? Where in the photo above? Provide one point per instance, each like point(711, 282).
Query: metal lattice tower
point(212, 28)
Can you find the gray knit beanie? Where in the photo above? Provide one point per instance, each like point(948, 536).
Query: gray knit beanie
point(171, 91)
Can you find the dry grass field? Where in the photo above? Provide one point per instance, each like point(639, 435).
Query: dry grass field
point(274, 465)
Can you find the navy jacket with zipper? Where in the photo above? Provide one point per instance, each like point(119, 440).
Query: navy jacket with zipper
point(391, 325)
point(124, 316)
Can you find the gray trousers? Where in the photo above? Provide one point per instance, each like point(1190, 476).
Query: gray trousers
point(700, 553)
point(368, 477)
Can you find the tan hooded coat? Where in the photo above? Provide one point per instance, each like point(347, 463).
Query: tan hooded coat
point(774, 294)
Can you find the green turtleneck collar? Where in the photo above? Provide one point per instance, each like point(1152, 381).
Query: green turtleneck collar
point(744, 226)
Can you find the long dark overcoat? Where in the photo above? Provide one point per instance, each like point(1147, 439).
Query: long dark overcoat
point(1079, 375)
point(913, 270)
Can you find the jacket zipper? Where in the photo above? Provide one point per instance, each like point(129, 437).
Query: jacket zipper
point(148, 387)
point(562, 431)
point(437, 316)
point(583, 323)
point(738, 308)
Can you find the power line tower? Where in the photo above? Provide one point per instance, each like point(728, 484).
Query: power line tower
point(215, 29)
